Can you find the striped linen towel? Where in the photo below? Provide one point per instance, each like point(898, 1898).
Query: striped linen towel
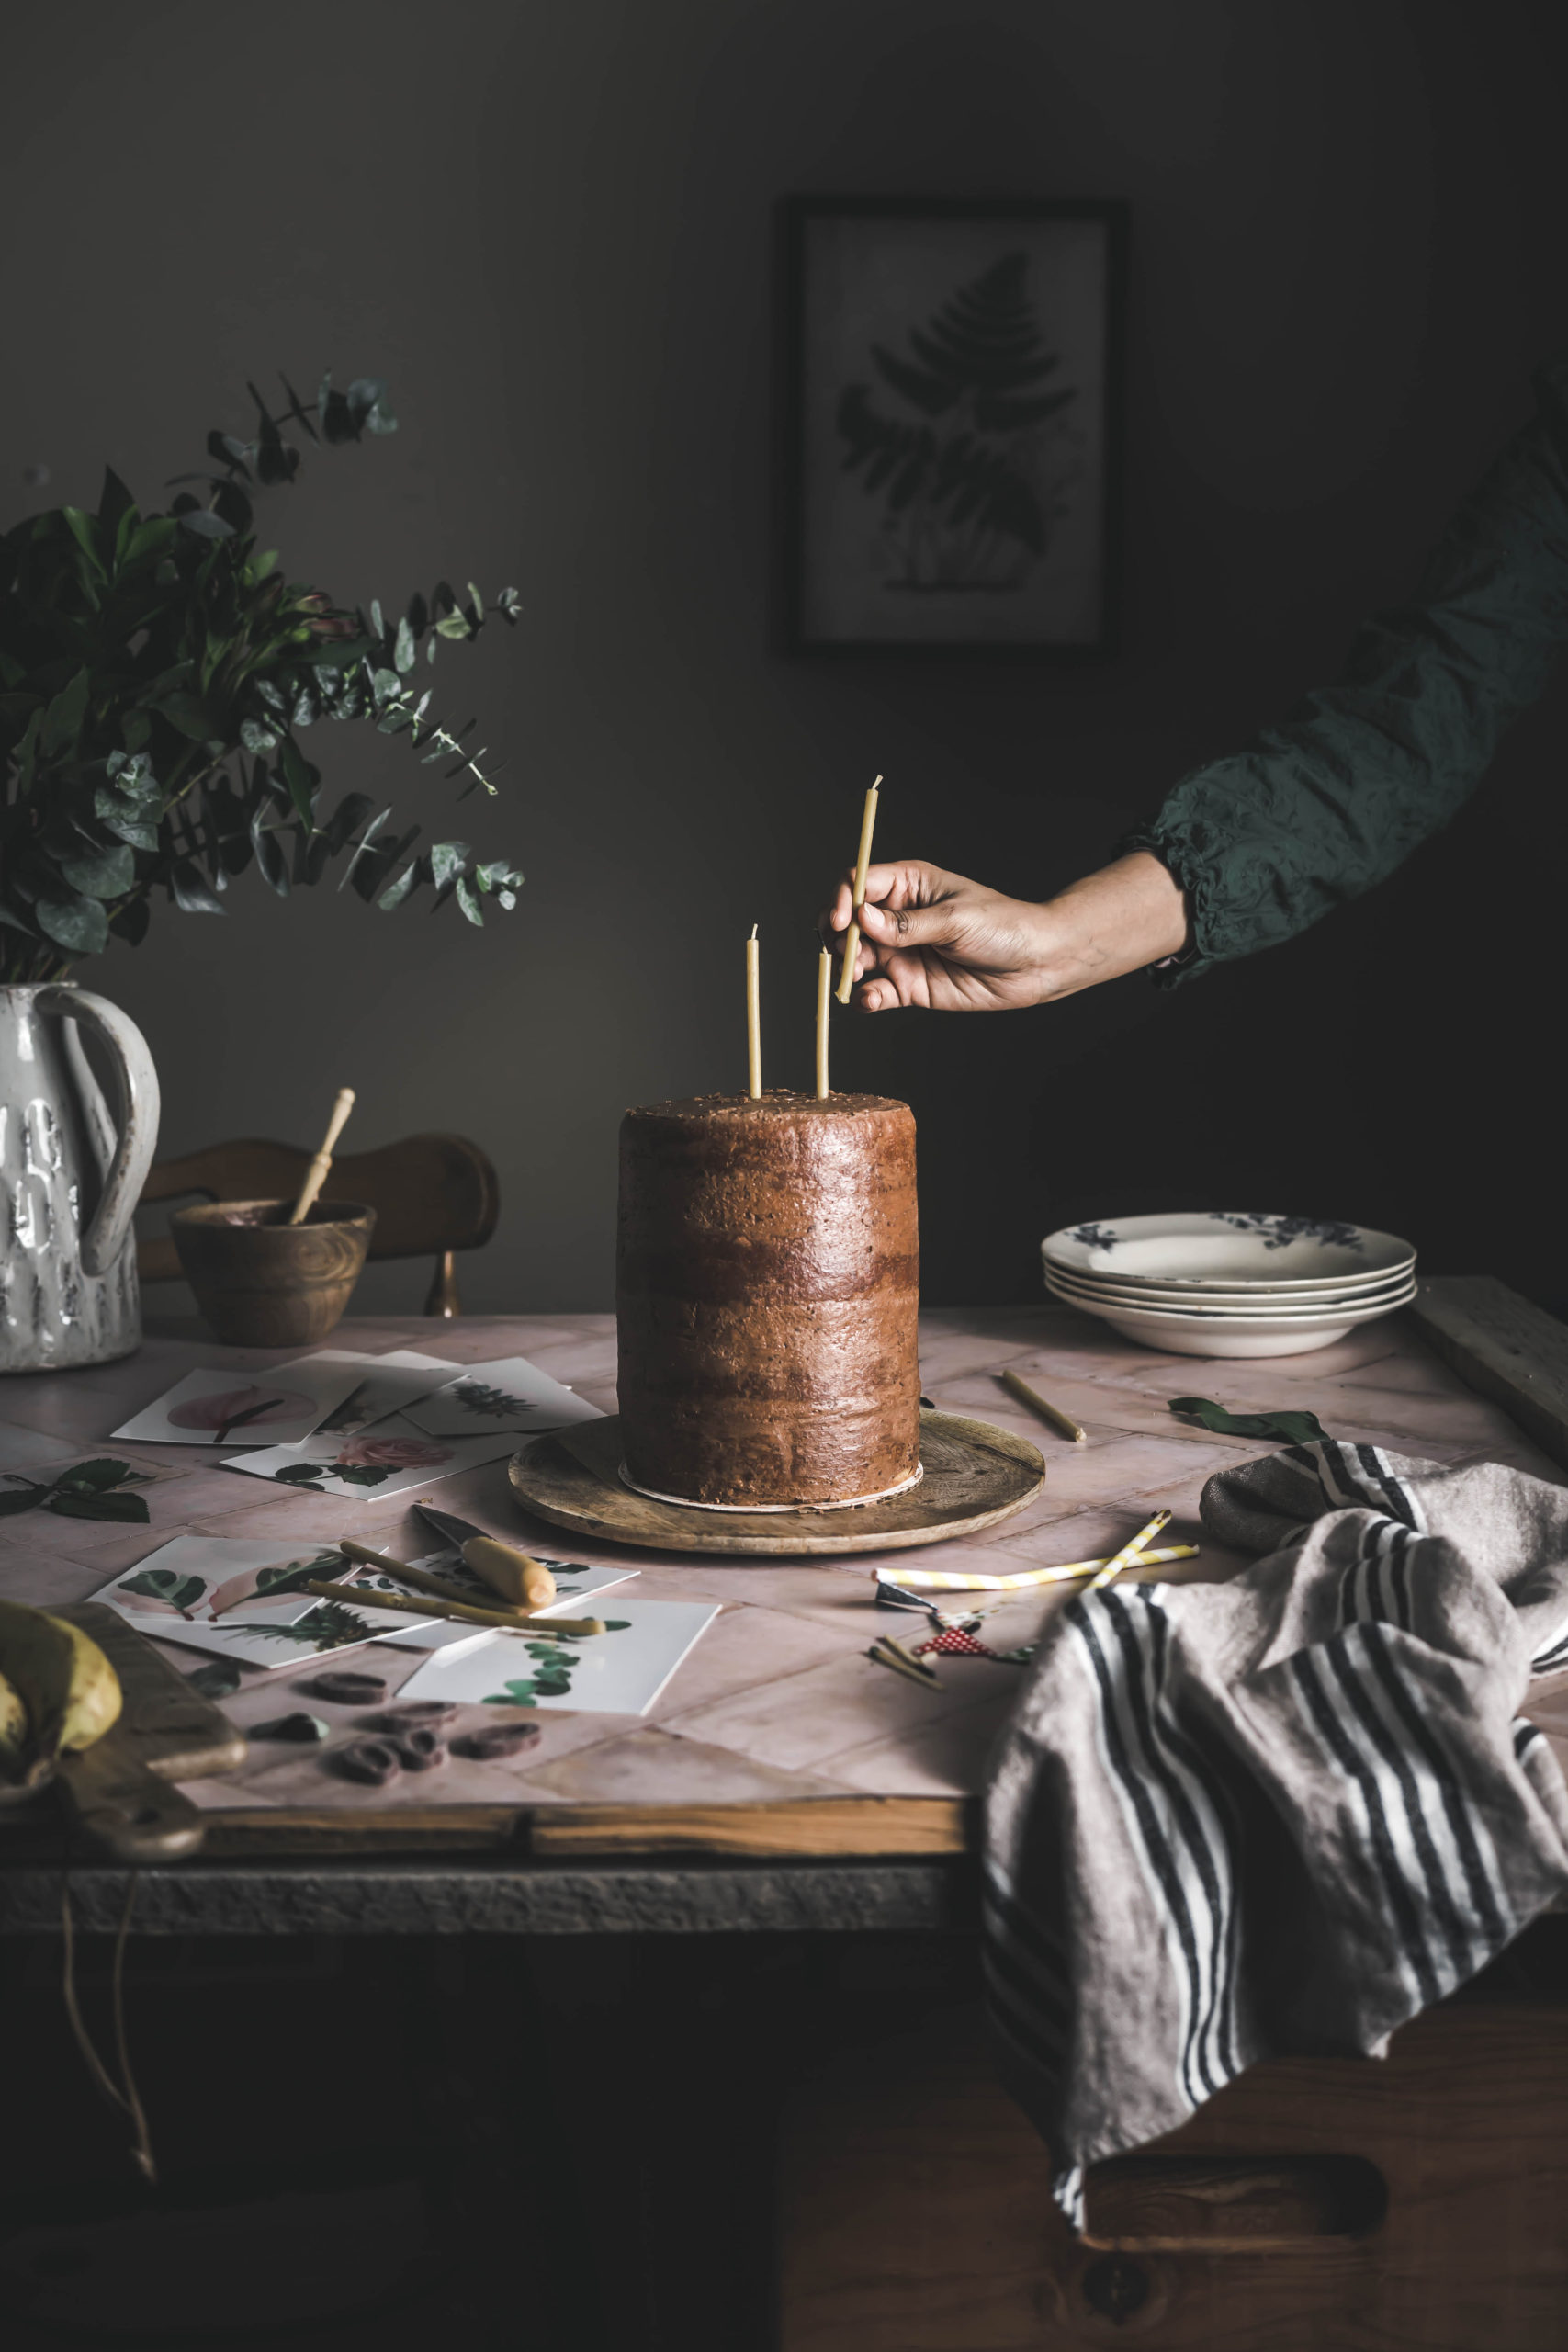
point(1282, 1815)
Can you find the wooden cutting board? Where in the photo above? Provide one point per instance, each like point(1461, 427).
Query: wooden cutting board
point(120, 1789)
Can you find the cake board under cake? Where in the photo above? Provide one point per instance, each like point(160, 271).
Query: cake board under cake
point(975, 1475)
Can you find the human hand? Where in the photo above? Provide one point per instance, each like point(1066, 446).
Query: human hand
point(947, 944)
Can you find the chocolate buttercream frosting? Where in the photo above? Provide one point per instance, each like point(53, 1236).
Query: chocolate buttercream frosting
point(766, 1297)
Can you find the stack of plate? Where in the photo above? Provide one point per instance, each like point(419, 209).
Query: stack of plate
point(1223, 1284)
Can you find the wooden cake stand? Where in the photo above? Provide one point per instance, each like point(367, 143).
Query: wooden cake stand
point(974, 1475)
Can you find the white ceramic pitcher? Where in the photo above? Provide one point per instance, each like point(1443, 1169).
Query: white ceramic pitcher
point(68, 1183)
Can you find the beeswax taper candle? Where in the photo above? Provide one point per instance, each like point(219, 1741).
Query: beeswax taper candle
point(851, 936)
point(753, 1018)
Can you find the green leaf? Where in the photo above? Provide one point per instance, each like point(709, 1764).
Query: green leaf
point(301, 780)
point(395, 892)
point(106, 875)
point(91, 1477)
point(184, 711)
point(190, 892)
point(301, 1473)
point(1293, 1425)
point(207, 525)
point(403, 649)
point(448, 860)
point(165, 1584)
point(467, 899)
point(27, 1497)
point(78, 924)
point(219, 1680)
point(85, 531)
point(256, 738)
point(121, 1507)
point(62, 723)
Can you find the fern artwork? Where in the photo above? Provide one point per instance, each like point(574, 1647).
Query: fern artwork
point(955, 397)
point(970, 469)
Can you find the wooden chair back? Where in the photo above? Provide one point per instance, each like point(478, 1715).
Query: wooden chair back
point(433, 1193)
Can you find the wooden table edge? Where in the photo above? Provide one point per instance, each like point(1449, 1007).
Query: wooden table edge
point(783, 1829)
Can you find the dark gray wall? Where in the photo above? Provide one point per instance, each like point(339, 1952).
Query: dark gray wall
point(549, 226)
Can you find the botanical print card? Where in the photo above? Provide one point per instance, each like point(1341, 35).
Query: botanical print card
point(245, 1409)
point(325, 1625)
point(574, 1580)
point(198, 1578)
point(510, 1394)
point(386, 1384)
point(245, 1600)
point(618, 1672)
point(389, 1459)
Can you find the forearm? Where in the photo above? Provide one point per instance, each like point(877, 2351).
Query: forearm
point(1129, 915)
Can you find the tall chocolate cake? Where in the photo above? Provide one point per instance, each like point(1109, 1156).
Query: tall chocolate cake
point(767, 1286)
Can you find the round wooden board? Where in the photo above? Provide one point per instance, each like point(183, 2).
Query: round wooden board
point(974, 1475)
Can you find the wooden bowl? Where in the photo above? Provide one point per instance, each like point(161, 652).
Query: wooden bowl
point(262, 1282)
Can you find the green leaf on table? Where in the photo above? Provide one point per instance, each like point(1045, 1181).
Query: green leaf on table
point(123, 1506)
point(1290, 1426)
point(92, 1477)
point(27, 1497)
point(302, 1473)
point(219, 1680)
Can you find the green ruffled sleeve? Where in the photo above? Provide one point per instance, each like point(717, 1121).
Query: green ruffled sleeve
point(1327, 804)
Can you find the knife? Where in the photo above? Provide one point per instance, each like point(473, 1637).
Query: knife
point(456, 1531)
point(522, 1581)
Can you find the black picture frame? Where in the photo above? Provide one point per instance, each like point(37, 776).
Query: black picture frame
point(951, 419)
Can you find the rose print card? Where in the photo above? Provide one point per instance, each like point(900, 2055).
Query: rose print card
point(510, 1394)
point(245, 1407)
point(618, 1672)
point(389, 1459)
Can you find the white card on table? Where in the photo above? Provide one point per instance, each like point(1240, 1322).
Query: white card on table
point(390, 1459)
point(386, 1384)
point(245, 1407)
point(620, 1671)
point(198, 1578)
point(242, 1600)
point(510, 1394)
point(325, 1625)
point(573, 1580)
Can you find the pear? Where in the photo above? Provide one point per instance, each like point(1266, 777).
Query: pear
point(515, 1575)
point(69, 1690)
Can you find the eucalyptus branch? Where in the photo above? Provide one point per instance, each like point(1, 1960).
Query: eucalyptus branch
point(144, 657)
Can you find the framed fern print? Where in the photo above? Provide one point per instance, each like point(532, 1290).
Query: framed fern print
point(953, 419)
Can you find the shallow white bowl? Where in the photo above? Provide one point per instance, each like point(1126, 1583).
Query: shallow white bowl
point(1200, 1301)
point(1230, 1249)
point(1184, 1334)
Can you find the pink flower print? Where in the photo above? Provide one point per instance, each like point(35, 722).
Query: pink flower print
point(252, 1407)
point(392, 1453)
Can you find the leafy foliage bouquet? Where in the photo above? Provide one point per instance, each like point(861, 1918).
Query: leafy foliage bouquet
point(155, 672)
